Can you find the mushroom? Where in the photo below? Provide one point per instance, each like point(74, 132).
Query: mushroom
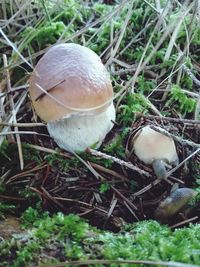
point(154, 146)
point(174, 203)
point(71, 90)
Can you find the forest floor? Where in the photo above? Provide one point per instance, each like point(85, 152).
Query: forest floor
point(152, 52)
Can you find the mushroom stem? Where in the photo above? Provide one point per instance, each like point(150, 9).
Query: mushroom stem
point(159, 168)
point(79, 132)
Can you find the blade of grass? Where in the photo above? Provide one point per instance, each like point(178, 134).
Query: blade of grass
point(12, 105)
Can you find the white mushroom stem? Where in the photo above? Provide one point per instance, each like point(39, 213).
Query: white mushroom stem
point(79, 132)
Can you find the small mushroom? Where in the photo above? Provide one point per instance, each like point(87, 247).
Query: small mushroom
point(155, 147)
point(71, 90)
point(174, 203)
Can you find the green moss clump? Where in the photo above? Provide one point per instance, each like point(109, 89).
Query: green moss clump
point(70, 238)
point(45, 35)
point(151, 241)
point(133, 104)
point(181, 101)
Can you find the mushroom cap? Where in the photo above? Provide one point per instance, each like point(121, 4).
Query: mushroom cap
point(150, 145)
point(75, 77)
point(174, 203)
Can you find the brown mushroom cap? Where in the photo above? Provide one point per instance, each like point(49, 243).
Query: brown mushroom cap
point(150, 145)
point(75, 76)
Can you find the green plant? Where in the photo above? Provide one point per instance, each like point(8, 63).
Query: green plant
point(186, 82)
point(181, 101)
point(45, 35)
point(75, 239)
point(104, 187)
point(5, 208)
point(31, 215)
point(66, 231)
point(144, 85)
point(58, 161)
point(31, 154)
point(149, 240)
point(132, 104)
point(117, 145)
point(4, 150)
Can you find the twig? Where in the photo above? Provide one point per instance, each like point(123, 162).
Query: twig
point(197, 110)
point(22, 132)
point(131, 210)
point(112, 207)
point(12, 198)
point(184, 222)
point(176, 138)
point(22, 125)
point(49, 150)
point(124, 198)
point(182, 162)
point(110, 172)
point(25, 173)
point(175, 120)
point(146, 188)
point(119, 161)
point(100, 262)
point(81, 203)
point(191, 75)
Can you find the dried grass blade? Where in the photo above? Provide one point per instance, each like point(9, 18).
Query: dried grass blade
point(12, 105)
point(15, 49)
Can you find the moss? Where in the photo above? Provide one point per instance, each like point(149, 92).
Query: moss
point(133, 104)
point(68, 237)
point(181, 101)
point(76, 240)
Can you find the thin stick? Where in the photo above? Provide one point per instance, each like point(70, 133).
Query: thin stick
point(12, 104)
point(125, 199)
point(184, 222)
point(110, 172)
point(182, 162)
point(100, 262)
point(176, 138)
point(50, 151)
point(191, 75)
point(175, 120)
point(22, 125)
point(22, 132)
point(146, 188)
point(119, 161)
